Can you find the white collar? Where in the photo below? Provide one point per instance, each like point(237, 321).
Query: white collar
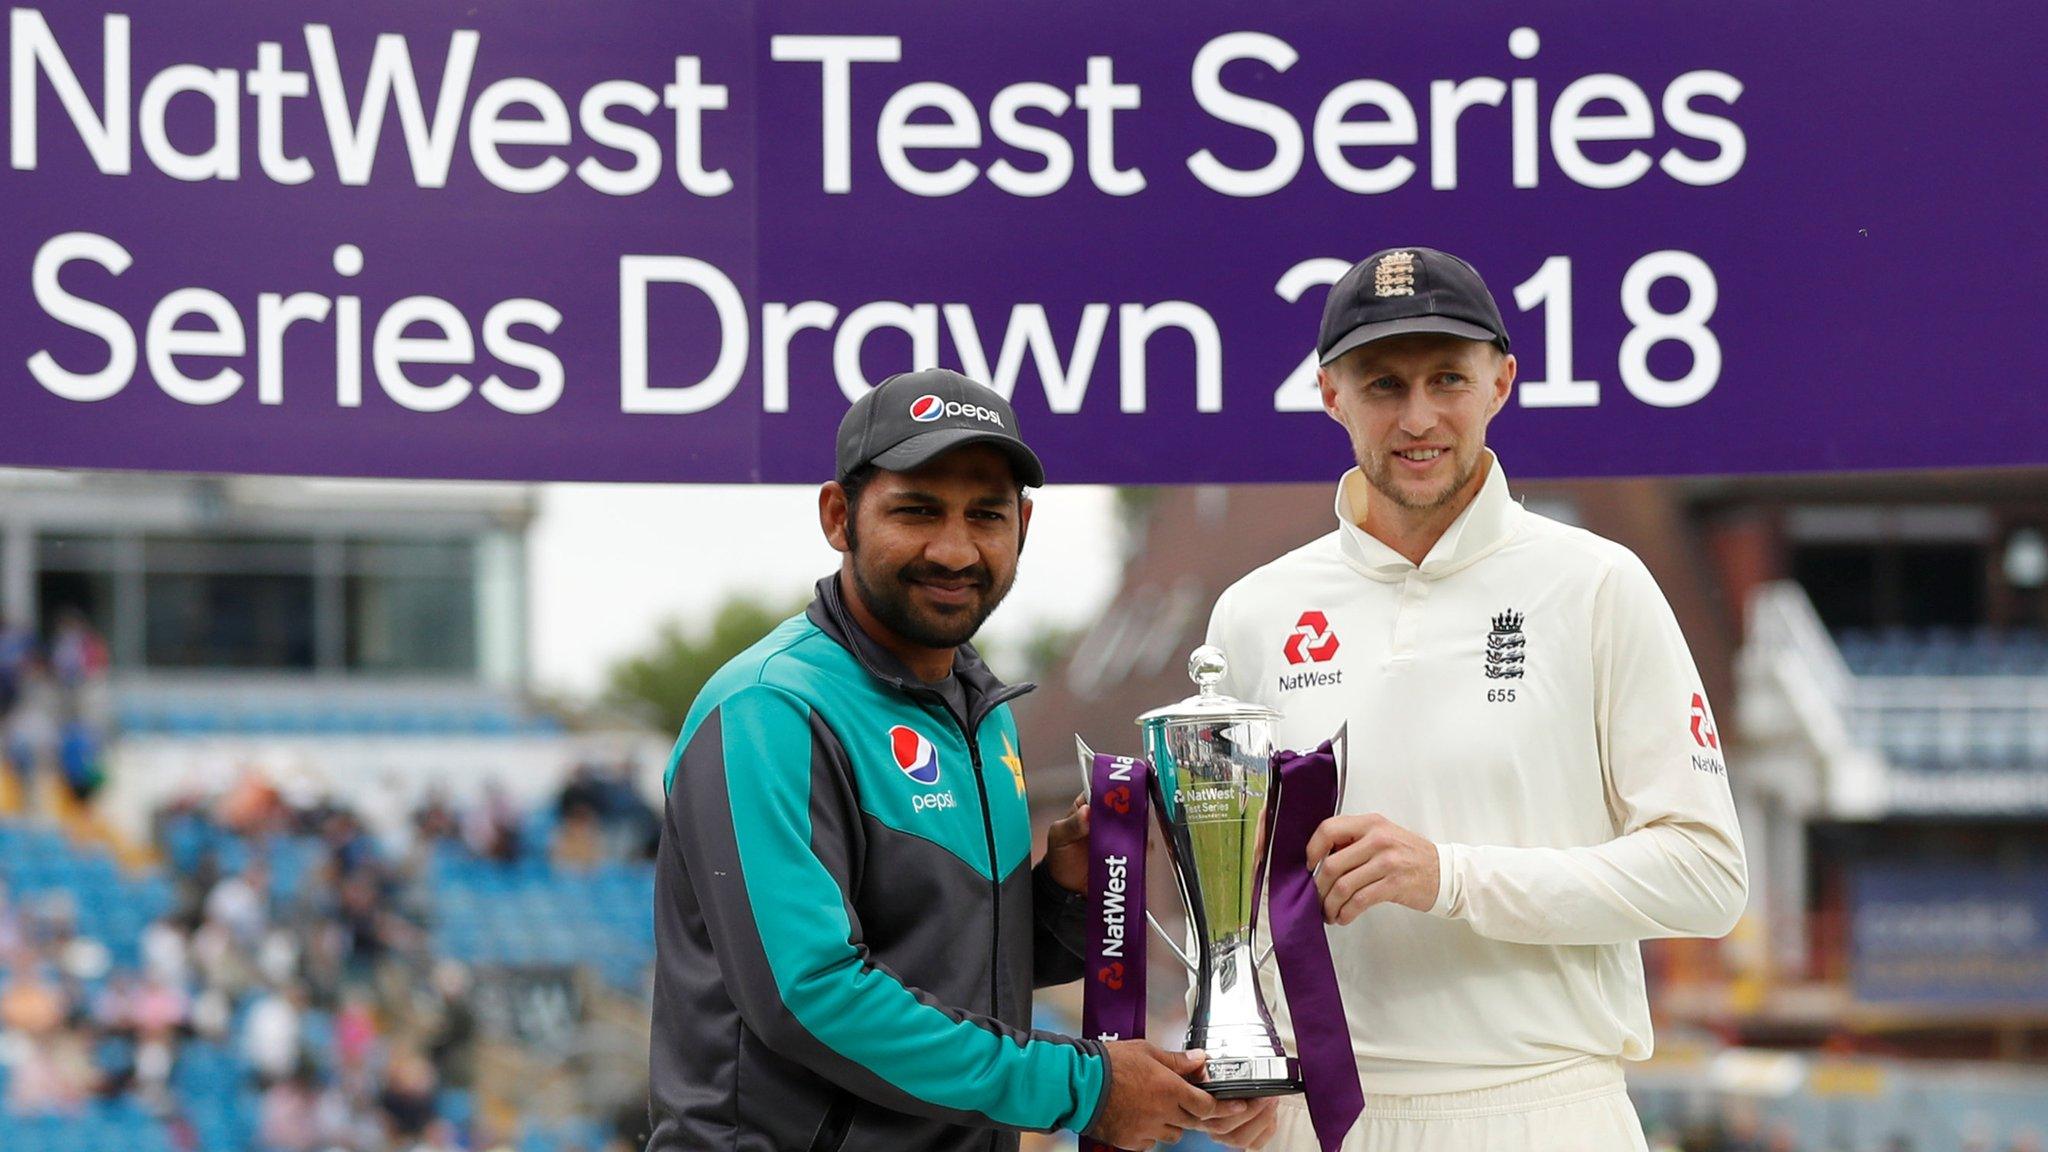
point(1485, 524)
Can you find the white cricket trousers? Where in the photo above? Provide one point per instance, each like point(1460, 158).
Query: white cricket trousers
point(1584, 1108)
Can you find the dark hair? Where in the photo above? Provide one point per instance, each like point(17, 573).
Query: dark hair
point(853, 484)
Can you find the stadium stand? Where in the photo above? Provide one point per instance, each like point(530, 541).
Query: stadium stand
point(281, 982)
point(1980, 651)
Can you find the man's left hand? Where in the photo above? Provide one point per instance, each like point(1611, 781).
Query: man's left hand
point(1247, 1129)
point(1368, 860)
point(1066, 848)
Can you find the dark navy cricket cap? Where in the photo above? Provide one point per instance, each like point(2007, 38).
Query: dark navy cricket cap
point(912, 417)
point(1403, 290)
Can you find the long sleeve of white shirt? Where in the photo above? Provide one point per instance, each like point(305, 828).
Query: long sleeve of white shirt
point(1677, 868)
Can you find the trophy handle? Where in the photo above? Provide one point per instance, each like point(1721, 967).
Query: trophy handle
point(1187, 903)
point(1087, 756)
point(1340, 744)
point(1266, 870)
point(1159, 930)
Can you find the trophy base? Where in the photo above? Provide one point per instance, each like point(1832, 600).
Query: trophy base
point(1245, 1077)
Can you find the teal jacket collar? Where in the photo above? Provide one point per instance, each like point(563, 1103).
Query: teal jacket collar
point(984, 691)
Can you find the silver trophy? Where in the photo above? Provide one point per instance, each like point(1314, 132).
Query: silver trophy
point(1213, 778)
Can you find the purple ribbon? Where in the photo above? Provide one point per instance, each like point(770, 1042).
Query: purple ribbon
point(1113, 995)
point(1322, 1040)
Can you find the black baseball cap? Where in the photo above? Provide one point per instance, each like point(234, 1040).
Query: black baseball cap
point(1402, 290)
point(912, 417)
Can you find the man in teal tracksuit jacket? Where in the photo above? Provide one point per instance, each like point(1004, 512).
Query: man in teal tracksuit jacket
point(847, 923)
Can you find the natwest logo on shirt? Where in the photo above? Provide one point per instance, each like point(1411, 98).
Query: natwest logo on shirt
point(1708, 738)
point(1312, 641)
point(1703, 732)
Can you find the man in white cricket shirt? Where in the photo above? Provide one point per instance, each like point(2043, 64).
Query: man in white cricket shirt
point(1536, 781)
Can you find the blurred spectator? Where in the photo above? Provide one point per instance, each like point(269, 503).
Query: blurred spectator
point(155, 1057)
point(212, 1012)
point(355, 1033)
point(164, 955)
point(436, 821)
point(222, 962)
point(252, 806)
point(633, 824)
point(492, 828)
point(407, 1097)
point(78, 759)
point(160, 1009)
point(452, 1041)
point(13, 931)
point(240, 904)
point(440, 1137)
point(113, 1009)
point(32, 727)
point(601, 817)
point(277, 959)
point(17, 646)
point(270, 1036)
point(372, 929)
point(579, 840)
point(78, 656)
point(582, 789)
point(1781, 1137)
point(323, 959)
point(348, 844)
point(32, 1004)
point(606, 792)
point(491, 1137)
point(298, 1114)
point(53, 1074)
point(79, 958)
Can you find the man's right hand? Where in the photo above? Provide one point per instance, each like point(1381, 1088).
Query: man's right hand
point(1150, 1099)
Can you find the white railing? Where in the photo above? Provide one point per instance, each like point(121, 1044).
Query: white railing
point(1795, 700)
point(1782, 620)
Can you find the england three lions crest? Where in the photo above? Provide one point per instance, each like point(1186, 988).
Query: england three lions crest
point(1506, 647)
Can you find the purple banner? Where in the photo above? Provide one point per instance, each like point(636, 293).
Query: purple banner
point(1113, 990)
point(641, 241)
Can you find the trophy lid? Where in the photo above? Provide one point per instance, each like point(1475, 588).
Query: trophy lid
point(1206, 667)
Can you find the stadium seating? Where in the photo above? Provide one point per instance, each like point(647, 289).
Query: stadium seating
point(115, 1124)
point(215, 1086)
point(580, 1135)
point(529, 913)
point(1982, 651)
point(1950, 699)
point(146, 708)
point(110, 907)
point(524, 913)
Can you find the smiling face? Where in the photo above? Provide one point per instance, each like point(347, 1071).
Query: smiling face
point(930, 552)
point(1416, 408)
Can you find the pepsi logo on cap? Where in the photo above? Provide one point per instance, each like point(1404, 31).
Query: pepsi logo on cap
point(927, 408)
point(914, 754)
